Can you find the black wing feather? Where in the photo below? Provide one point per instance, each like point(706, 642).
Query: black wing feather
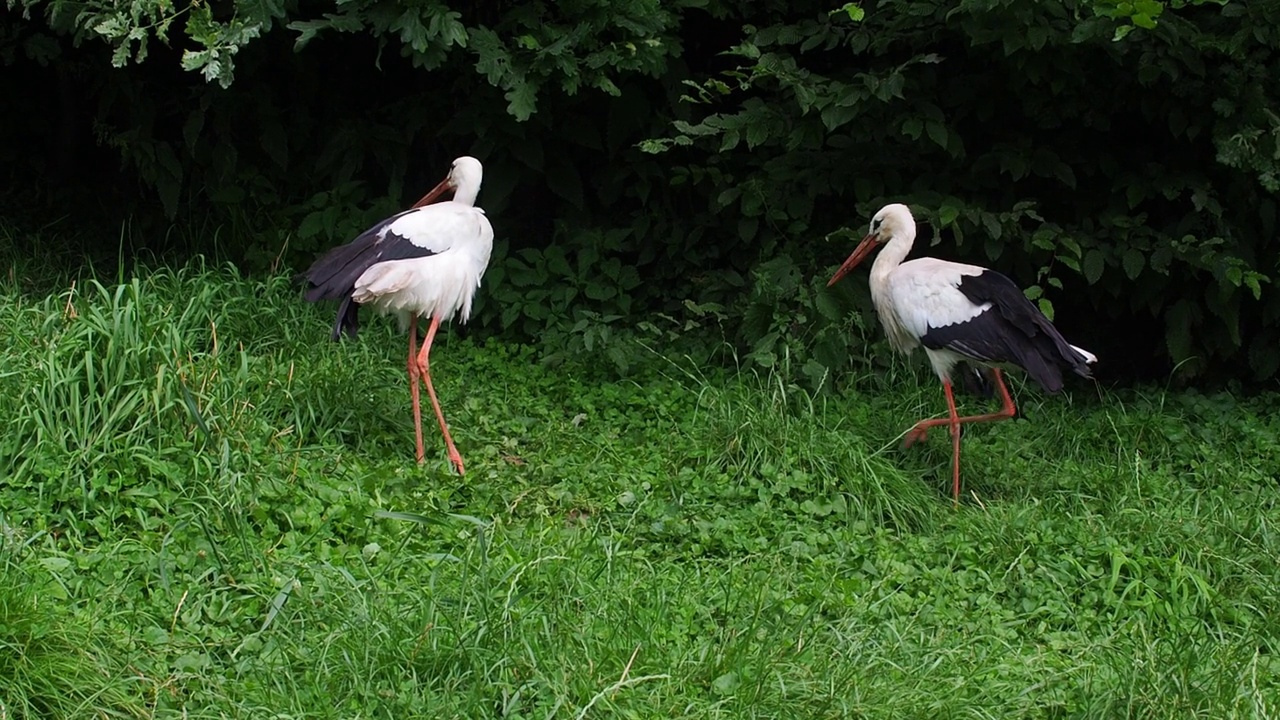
point(334, 275)
point(1012, 330)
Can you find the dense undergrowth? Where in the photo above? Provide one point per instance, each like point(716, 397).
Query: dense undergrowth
point(206, 510)
point(659, 160)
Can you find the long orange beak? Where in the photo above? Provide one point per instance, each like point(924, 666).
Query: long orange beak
point(860, 253)
point(445, 186)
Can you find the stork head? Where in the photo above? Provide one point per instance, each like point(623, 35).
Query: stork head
point(892, 221)
point(463, 180)
point(466, 170)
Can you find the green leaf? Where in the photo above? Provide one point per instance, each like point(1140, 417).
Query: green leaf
point(1150, 8)
point(522, 100)
point(853, 10)
point(894, 84)
point(312, 224)
point(346, 22)
point(1065, 174)
point(1253, 281)
point(628, 278)
point(757, 134)
point(1094, 263)
point(412, 32)
point(937, 133)
point(1144, 21)
point(610, 268)
point(992, 225)
point(195, 59)
point(834, 116)
point(947, 215)
point(730, 140)
point(1014, 164)
point(827, 306)
point(599, 291)
point(725, 684)
point(112, 27)
point(1133, 262)
point(307, 31)
point(620, 357)
point(155, 635)
point(120, 57)
point(556, 262)
point(492, 59)
point(1036, 37)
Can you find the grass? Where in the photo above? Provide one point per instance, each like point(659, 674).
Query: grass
point(208, 511)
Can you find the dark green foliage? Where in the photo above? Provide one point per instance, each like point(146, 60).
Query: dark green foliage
point(1119, 159)
point(1141, 174)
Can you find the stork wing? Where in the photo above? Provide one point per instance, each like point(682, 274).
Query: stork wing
point(415, 233)
point(1008, 328)
point(333, 275)
point(925, 295)
point(436, 228)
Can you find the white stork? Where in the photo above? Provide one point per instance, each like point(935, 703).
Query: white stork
point(424, 262)
point(959, 313)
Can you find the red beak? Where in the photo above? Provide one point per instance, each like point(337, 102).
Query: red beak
point(445, 186)
point(860, 253)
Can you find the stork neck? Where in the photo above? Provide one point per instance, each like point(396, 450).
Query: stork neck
point(892, 255)
point(466, 193)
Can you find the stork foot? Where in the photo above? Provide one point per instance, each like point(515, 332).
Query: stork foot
point(456, 459)
point(916, 434)
point(920, 432)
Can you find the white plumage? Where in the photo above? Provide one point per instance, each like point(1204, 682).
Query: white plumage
point(438, 285)
point(426, 262)
point(958, 313)
point(912, 296)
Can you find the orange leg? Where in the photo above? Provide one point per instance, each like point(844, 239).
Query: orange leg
point(424, 365)
point(414, 373)
point(921, 429)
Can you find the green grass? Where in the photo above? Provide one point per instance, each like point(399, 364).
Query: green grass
point(207, 510)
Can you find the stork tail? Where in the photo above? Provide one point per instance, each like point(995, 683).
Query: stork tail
point(1047, 359)
point(348, 320)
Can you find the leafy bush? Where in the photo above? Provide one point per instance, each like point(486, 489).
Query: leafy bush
point(1138, 175)
point(1120, 159)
